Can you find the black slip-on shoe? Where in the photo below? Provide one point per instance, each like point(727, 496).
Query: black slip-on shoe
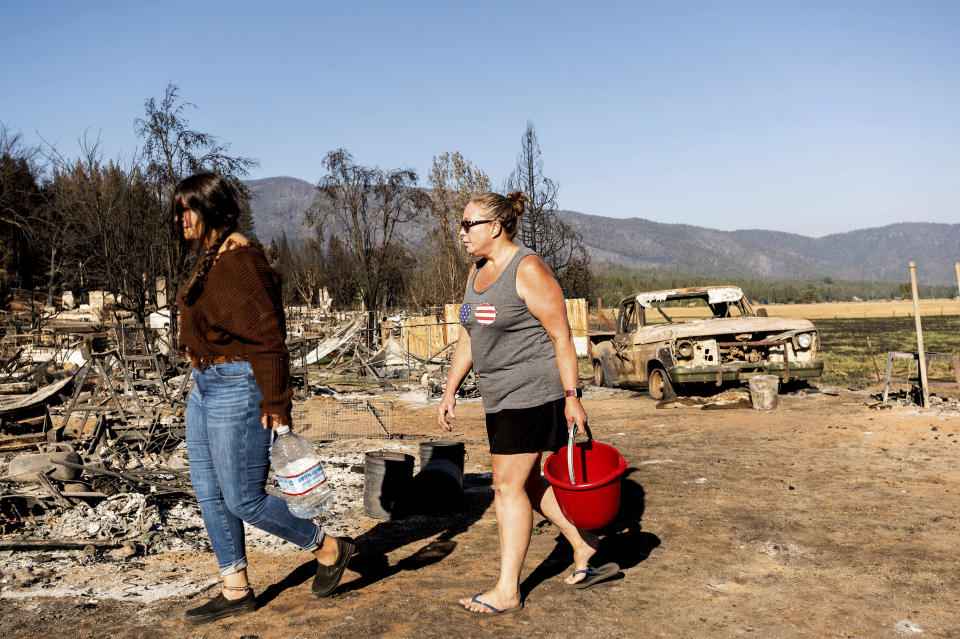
point(328, 577)
point(220, 607)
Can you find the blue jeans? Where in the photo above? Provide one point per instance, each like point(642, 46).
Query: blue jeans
point(229, 460)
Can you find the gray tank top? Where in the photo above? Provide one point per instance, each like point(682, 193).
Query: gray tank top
point(513, 357)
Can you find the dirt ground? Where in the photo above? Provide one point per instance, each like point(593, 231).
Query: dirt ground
point(822, 518)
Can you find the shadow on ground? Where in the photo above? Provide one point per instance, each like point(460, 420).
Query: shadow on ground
point(374, 545)
point(623, 541)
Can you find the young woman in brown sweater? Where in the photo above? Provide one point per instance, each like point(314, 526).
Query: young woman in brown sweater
point(233, 328)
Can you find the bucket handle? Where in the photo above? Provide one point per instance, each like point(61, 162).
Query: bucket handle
point(573, 431)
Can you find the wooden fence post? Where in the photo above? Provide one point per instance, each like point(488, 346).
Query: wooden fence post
point(922, 360)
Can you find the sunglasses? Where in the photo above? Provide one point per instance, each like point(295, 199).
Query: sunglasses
point(466, 225)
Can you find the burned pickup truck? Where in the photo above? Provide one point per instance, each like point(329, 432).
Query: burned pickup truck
point(668, 340)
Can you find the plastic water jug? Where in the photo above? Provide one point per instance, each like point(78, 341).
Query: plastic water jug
point(297, 467)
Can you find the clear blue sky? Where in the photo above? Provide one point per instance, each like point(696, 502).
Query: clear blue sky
point(809, 117)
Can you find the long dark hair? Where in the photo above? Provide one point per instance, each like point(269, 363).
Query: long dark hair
point(214, 199)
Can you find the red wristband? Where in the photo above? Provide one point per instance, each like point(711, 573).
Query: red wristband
point(576, 392)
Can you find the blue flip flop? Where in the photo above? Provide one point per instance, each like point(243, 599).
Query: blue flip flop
point(596, 575)
point(493, 611)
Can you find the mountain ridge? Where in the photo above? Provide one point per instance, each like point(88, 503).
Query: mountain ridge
point(870, 254)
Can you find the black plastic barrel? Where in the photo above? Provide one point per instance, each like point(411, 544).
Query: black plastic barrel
point(386, 483)
point(454, 451)
point(438, 487)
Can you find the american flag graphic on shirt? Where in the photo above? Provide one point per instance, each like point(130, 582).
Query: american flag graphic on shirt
point(486, 313)
point(464, 313)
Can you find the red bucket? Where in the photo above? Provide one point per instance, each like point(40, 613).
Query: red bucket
point(592, 499)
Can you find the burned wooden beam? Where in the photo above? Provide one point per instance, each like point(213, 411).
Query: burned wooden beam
point(50, 488)
point(57, 544)
point(17, 388)
point(14, 443)
point(6, 366)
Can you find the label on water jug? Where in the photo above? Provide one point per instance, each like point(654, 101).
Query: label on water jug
point(302, 483)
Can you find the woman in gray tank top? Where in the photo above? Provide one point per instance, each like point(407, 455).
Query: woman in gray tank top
point(516, 337)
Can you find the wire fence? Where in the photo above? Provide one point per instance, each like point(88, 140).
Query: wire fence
point(328, 418)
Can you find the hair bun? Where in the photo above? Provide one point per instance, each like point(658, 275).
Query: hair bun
point(516, 200)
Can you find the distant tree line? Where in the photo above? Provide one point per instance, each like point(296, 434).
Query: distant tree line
point(82, 222)
point(357, 253)
point(613, 282)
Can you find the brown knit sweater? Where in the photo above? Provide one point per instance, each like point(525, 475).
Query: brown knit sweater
point(239, 314)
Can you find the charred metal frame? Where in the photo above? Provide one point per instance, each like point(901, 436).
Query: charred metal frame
point(915, 356)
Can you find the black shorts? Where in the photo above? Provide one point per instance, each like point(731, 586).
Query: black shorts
point(528, 430)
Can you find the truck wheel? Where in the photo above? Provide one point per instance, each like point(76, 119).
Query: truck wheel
point(598, 377)
point(659, 386)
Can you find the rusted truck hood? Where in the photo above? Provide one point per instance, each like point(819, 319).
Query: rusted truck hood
point(726, 326)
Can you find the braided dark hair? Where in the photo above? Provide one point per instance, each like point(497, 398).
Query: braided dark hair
point(214, 199)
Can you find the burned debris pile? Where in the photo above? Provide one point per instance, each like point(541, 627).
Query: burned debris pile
point(92, 440)
point(352, 348)
point(97, 445)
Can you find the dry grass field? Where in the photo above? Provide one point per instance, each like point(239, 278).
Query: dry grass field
point(843, 310)
point(854, 349)
point(829, 310)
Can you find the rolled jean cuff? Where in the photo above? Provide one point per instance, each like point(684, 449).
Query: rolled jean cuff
point(236, 566)
point(317, 542)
